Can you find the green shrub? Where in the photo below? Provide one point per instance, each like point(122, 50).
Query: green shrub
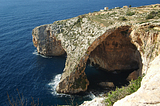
point(120, 93)
point(78, 22)
point(122, 19)
point(151, 15)
point(113, 13)
point(129, 13)
point(158, 14)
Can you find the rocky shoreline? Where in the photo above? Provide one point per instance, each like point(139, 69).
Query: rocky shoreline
point(113, 40)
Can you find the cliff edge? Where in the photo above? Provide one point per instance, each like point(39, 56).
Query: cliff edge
point(120, 39)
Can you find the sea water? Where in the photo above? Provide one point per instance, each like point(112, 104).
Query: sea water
point(21, 67)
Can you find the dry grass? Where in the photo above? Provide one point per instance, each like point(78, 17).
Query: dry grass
point(20, 101)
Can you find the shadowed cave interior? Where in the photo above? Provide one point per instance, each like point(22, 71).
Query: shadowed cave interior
point(112, 61)
point(98, 77)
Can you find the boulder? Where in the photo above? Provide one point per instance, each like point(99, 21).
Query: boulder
point(132, 76)
point(107, 84)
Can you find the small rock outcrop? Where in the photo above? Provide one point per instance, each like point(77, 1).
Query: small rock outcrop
point(46, 43)
point(107, 84)
point(111, 40)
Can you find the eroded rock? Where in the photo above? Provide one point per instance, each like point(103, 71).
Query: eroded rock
point(133, 75)
point(122, 46)
point(107, 84)
point(46, 42)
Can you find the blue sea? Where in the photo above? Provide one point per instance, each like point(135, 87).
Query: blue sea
point(21, 67)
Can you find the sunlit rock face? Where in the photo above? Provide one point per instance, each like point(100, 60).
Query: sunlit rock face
point(46, 42)
point(116, 52)
point(75, 83)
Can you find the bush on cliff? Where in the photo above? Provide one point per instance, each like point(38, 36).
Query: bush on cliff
point(122, 19)
point(129, 13)
point(153, 14)
point(120, 93)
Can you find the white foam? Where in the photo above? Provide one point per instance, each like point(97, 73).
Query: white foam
point(36, 53)
point(55, 81)
point(91, 95)
point(53, 84)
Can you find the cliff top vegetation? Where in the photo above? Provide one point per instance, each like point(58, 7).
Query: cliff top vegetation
point(131, 15)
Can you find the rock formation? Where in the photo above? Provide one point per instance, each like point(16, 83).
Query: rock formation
point(46, 43)
point(110, 40)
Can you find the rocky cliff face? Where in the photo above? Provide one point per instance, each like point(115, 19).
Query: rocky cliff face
point(46, 42)
point(108, 40)
point(148, 94)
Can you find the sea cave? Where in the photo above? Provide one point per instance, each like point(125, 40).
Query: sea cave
point(114, 61)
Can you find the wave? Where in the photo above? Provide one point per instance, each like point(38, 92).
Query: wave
point(53, 84)
point(91, 95)
point(36, 53)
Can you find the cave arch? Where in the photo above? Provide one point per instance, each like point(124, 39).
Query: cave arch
point(112, 51)
point(115, 52)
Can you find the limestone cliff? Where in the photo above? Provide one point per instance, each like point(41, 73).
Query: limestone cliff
point(46, 43)
point(148, 94)
point(118, 40)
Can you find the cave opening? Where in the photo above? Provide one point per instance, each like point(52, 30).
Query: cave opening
point(113, 63)
point(100, 81)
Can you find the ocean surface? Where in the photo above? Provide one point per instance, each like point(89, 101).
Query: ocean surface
point(21, 67)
